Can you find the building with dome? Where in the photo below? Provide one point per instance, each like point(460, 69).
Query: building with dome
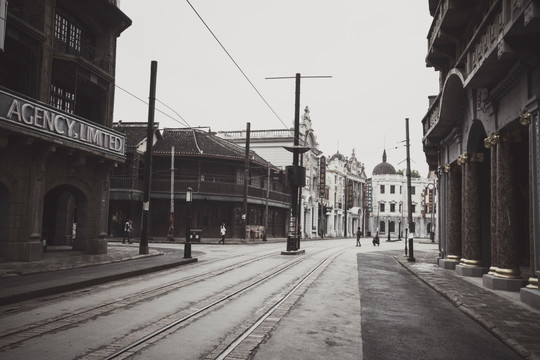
point(387, 202)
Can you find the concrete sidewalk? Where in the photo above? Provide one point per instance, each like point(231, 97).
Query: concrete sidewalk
point(500, 312)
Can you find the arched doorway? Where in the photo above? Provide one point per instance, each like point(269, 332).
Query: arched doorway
point(64, 216)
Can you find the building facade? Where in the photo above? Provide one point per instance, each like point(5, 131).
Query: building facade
point(214, 169)
point(57, 145)
point(388, 213)
point(270, 144)
point(344, 203)
point(481, 136)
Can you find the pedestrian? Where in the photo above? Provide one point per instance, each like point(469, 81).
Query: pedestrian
point(358, 235)
point(376, 240)
point(222, 231)
point(128, 228)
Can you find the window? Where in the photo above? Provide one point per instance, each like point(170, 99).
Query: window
point(413, 190)
point(382, 189)
point(62, 99)
point(381, 207)
point(392, 207)
point(413, 208)
point(392, 189)
point(392, 227)
point(382, 226)
point(67, 34)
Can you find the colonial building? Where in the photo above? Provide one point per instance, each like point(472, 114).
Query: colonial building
point(481, 133)
point(57, 146)
point(270, 144)
point(388, 211)
point(344, 203)
point(214, 169)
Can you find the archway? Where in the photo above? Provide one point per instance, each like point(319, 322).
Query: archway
point(64, 216)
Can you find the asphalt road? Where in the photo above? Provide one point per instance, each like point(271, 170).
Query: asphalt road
point(402, 318)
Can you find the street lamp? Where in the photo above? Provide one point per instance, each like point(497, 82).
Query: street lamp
point(187, 246)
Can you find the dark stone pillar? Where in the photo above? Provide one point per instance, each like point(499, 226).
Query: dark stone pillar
point(453, 249)
point(507, 254)
point(493, 222)
point(471, 240)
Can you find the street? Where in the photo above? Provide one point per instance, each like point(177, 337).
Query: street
point(243, 301)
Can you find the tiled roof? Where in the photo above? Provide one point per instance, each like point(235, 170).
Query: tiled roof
point(196, 142)
point(135, 131)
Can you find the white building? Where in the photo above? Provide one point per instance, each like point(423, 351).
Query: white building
point(388, 207)
point(344, 203)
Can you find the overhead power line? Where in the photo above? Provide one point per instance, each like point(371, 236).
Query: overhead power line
point(238, 66)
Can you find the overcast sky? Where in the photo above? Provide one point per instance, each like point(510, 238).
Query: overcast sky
point(374, 50)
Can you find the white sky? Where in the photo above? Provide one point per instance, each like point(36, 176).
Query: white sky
point(374, 50)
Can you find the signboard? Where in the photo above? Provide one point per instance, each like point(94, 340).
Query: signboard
point(322, 177)
point(44, 121)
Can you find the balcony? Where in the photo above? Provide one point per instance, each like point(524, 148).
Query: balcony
point(450, 22)
point(129, 188)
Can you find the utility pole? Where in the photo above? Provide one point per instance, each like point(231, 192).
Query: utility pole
point(409, 195)
point(143, 245)
point(246, 181)
point(170, 234)
point(297, 173)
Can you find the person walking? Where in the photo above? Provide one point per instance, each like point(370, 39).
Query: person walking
point(222, 231)
point(358, 235)
point(128, 228)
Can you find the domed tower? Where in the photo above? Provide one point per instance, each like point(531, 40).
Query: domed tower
point(384, 167)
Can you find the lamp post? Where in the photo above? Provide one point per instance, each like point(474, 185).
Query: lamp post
point(187, 246)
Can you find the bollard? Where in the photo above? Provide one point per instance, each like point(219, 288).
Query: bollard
point(411, 249)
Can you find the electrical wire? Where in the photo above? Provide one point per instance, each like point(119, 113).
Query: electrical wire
point(236, 64)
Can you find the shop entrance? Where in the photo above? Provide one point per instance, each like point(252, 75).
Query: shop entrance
point(63, 216)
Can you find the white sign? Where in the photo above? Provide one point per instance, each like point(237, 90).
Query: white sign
point(58, 125)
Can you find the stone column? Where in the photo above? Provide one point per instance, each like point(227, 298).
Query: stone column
point(453, 248)
point(471, 263)
point(493, 222)
point(530, 294)
point(507, 254)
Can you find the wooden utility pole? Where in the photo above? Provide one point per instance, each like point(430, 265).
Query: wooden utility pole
point(143, 245)
point(409, 194)
point(246, 182)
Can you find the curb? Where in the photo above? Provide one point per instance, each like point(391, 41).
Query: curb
point(486, 324)
point(10, 299)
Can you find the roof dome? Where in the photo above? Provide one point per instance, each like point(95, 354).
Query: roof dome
point(384, 167)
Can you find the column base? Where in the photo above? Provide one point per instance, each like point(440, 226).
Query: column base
point(447, 263)
point(530, 297)
point(471, 271)
point(21, 250)
point(498, 283)
point(95, 246)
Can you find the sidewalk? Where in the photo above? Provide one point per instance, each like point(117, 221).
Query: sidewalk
point(500, 312)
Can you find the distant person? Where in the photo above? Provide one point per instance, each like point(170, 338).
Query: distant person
point(376, 240)
point(128, 229)
point(358, 235)
point(222, 231)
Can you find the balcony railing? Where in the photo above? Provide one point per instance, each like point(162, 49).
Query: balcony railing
point(203, 187)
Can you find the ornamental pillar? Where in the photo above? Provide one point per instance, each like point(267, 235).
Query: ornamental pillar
point(453, 246)
point(471, 246)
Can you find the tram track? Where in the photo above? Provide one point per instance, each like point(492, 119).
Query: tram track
point(256, 327)
point(26, 332)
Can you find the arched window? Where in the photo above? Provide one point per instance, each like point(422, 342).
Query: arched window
point(392, 226)
point(382, 227)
